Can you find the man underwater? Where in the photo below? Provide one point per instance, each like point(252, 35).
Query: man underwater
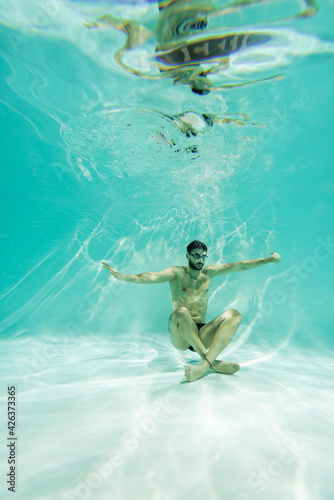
point(189, 287)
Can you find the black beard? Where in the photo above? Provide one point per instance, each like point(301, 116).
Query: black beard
point(193, 267)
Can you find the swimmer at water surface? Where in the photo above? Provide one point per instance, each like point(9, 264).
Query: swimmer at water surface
point(189, 287)
point(194, 39)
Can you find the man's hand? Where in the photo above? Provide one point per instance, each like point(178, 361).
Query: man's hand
point(112, 271)
point(275, 257)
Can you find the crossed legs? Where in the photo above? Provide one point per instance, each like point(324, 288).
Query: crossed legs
point(208, 342)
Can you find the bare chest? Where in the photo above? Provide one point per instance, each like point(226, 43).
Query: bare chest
point(190, 289)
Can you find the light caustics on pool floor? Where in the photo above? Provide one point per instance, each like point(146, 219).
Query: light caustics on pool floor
point(112, 419)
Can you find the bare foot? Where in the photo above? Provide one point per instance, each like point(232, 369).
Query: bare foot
point(194, 372)
point(225, 367)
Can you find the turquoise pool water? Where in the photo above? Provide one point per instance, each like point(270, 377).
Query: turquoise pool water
point(98, 163)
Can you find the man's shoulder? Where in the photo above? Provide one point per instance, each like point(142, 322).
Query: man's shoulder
point(208, 271)
point(178, 270)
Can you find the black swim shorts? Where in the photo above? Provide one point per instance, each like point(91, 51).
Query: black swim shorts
point(199, 326)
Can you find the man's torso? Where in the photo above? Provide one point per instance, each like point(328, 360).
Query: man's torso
point(190, 293)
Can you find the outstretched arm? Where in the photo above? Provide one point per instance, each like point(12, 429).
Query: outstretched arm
point(220, 269)
point(168, 274)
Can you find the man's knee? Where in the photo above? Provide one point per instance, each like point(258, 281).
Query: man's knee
point(232, 315)
point(181, 312)
point(235, 315)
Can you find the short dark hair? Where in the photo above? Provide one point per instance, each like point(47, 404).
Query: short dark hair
point(196, 244)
